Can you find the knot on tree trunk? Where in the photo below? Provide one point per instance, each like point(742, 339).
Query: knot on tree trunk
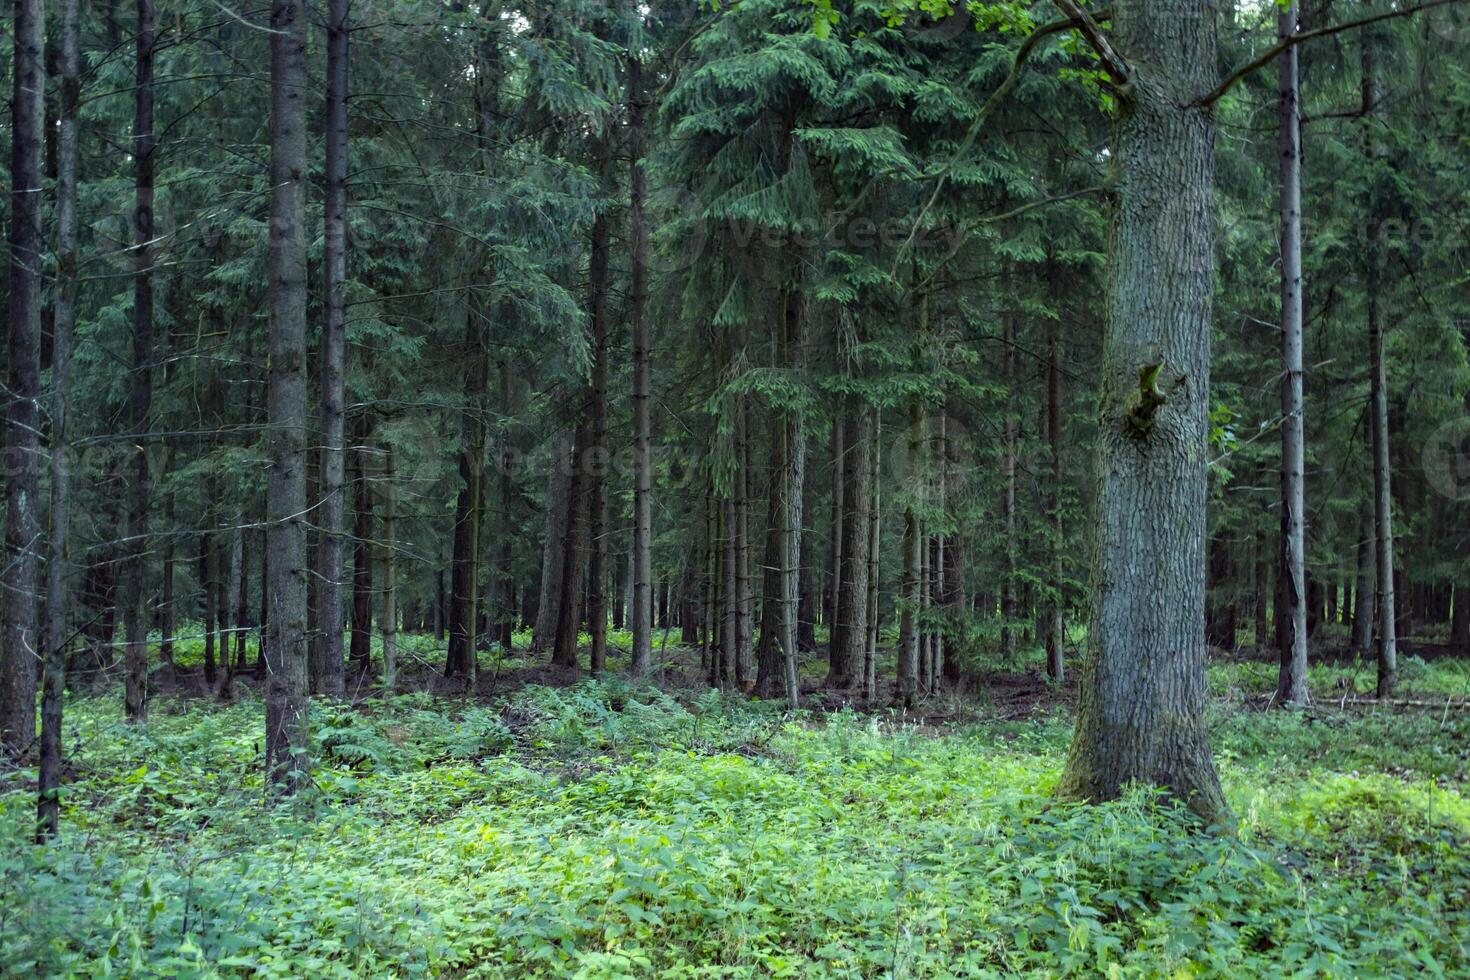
point(1144, 404)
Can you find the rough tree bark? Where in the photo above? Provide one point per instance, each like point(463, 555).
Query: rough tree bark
point(140, 394)
point(286, 704)
point(642, 388)
point(48, 803)
point(1141, 702)
point(1291, 684)
point(849, 629)
point(1374, 271)
point(333, 352)
point(596, 461)
point(389, 610)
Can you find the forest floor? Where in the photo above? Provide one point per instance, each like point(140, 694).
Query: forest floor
point(594, 829)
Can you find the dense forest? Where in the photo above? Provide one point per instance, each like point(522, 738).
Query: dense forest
point(616, 488)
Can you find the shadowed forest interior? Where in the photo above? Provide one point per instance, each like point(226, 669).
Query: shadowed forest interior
point(619, 488)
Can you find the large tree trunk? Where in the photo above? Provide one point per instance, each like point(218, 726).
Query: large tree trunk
point(48, 802)
point(140, 395)
point(1291, 684)
point(333, 352)
point(19, 573)
point(642, 389)
point(285, 647)
point(849, 630)
point(1141, 703)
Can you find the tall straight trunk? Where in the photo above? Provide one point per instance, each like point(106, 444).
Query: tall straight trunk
point(709, 642)
point(574, 557)
point(1056, 640)
point(48, 802)
point(850, 629)
point(1262, 582)
point(870, 656)
point(209, 568)
point(1142, 697)
point(362, 554)
point(389, 608)
point(507, 518)
point(1291, 683)
point(723, 670)
point(464, 592)
point(243, 598)
point(20, 570)
point(285, 647)
point(333, 352)
point(791, 477)
point(834, 564)
point(907, 691)
point(230, 605)
point(769, 658)
point(140, 395)
point(553, 555)
point(168, 619)
point(743, 579)
point(1009, 438)
point(806, 615)
point(956, 603)
point(596, 460)
point(642, 386)
point(1374, 275)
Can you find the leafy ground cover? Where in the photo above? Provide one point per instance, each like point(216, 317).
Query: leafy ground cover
point(604, 831)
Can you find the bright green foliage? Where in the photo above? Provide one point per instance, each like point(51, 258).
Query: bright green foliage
point(603, 831)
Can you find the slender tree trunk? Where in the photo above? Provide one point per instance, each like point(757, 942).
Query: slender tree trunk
point(553, 556)
point(1142, 696)
point(1009, 438)
point(464, 582)
point(140, 396)
point(209, 567)
point(53, 693)
point(389, 609)
point(1291, 684)
point(285, 646)
point(232, 606)
point(574, 565)
point(1374, 260)
point(596, 461)
point(362, 553)
point(834, 567)
point(743, 583)
point(642, 387)
point(1056, 638)
point(507, 518)
point(850, 628)
point(333, 351)
point(870, 658)
point(1460, 618)
point(907, 691)
point(791, 478)
point(806, 625)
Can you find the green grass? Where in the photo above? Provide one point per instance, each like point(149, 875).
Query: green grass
point(601, 831)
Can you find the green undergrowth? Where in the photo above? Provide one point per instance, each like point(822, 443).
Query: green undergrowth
point(603, 831)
